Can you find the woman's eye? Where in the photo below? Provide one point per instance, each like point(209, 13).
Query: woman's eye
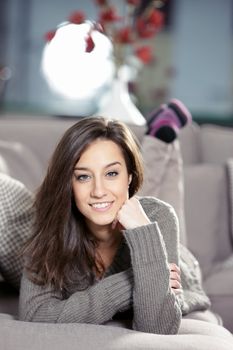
point(82, 178)
point(112, 173)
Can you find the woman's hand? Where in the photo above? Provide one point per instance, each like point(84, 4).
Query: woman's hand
point(131, 215)
point(175, 280)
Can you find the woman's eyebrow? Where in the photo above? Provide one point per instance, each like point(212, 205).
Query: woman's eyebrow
point(113, 163)
point(106, 166)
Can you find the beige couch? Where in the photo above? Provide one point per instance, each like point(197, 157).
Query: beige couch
point(25, 148)
point(208, 181)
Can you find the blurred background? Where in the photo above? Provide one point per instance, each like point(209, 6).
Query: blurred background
point(192, 58)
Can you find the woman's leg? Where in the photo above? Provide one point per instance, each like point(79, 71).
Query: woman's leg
point(162, 158)
point(163, 175)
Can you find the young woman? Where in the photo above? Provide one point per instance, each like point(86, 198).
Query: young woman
point(100, 253)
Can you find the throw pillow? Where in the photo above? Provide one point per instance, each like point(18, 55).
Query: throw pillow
point(16, 218)
point(207, 214)
point(211, 137)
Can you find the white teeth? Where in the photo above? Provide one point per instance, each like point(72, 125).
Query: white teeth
point(100, 205)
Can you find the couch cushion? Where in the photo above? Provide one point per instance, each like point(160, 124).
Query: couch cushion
point(222, 305)
point(220, 280)
point(190, 144)
point(16, 215)
point(216, 143)
point(39, 134)
point(193, 334)
point(207, 214)
point(20, 162)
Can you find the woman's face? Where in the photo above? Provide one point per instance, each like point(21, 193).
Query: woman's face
point(100, 184)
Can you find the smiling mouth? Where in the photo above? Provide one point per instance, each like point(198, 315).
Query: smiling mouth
point(102, 205)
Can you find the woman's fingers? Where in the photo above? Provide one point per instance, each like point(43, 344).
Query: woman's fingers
point(177, 291)
point(175, 284)
point(175, 280)
point(174, 267)
point(175, 276)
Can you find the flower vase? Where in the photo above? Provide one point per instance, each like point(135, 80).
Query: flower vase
point(117, 104)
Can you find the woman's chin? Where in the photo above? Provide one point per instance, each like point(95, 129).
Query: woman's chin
point(104, 223)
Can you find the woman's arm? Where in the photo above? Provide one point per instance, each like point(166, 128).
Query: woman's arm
point(97, 304)
point(156, 307)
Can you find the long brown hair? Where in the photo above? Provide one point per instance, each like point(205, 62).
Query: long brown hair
point(61, 251)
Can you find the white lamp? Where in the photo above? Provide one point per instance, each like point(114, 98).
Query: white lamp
point(78, 74)
point(69, 69)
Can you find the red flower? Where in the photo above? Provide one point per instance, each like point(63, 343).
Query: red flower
point(109, 15)
point(49, 35)
point(156, 18)
point(148, 26)
point(144, 53)
point(77, 17)
point(144, 30)
point(89, 44)
point(124, 35)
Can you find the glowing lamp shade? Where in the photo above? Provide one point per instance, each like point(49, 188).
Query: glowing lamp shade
point(69, 69)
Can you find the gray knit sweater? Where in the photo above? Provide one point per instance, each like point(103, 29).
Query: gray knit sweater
point(137, 279)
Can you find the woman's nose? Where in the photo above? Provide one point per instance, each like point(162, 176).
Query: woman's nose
point(98, 189)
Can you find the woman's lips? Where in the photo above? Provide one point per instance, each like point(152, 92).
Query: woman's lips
point(101, 206)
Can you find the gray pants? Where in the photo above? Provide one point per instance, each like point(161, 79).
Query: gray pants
point(167, 182)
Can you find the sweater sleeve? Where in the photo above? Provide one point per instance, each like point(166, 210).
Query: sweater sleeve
point(193, 297)
point(156, 307)
point(96, 305)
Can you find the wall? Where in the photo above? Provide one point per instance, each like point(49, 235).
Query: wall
point(198, 48)
point(202, 55)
